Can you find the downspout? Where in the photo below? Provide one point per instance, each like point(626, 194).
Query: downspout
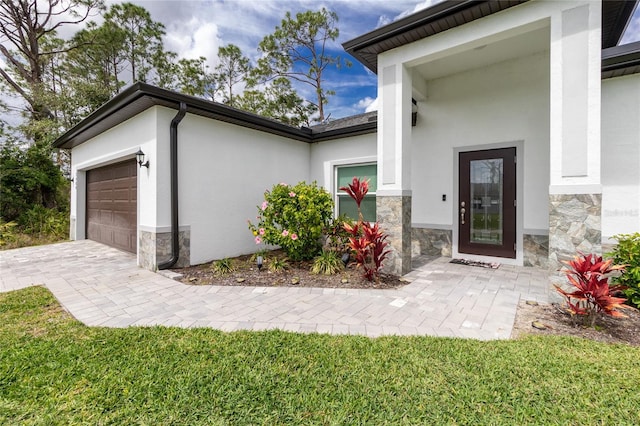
point(175, 231)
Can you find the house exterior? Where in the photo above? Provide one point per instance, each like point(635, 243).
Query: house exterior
point(506, 131)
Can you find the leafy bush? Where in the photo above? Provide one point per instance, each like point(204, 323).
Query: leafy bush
point(39, 220)
point(627, 253)
point(367, 240)
point(593, 296)
point(337, 237)
point(29, 178)
point(7, 232)
point(294, 218)
point(223, 266)
point(329, 262)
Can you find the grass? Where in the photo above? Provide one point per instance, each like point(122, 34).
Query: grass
point(54, 370)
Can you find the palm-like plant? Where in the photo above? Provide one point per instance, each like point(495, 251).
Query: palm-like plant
point(592, 295)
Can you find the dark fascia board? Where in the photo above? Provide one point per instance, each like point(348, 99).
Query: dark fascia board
point(141, 96)
point(358, 129)
point(616, 15)
point(621, 60)
point(396, 30)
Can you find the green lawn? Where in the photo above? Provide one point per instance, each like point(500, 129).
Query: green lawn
point(54, 370)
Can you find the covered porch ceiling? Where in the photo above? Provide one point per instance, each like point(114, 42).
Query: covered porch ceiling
point(481, 55)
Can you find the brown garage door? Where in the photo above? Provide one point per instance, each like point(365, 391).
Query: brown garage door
point(111, 205)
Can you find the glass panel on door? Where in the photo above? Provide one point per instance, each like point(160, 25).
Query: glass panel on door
point(486, 201)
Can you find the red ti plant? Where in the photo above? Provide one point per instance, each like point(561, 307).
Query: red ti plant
point(357, 190)
point(592, 295)
point(367, 240)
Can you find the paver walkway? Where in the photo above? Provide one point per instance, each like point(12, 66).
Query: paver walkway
point(102, 286)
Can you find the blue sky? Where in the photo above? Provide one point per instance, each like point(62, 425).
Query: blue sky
point(198, 27)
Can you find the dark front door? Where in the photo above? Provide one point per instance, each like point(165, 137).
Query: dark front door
point(487, 202)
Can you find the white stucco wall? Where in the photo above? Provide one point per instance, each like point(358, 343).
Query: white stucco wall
point(620, 155)
point(224, 171)
point(117, 144)
point(496, 106)
point(325, 156)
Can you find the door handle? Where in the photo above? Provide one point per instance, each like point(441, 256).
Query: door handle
point(462, 212)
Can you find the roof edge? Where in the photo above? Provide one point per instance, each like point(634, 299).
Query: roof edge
point(408, 22)
point(158, 96)
point(422, 17)
point(618, 57)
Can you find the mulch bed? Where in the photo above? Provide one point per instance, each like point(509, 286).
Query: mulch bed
point(246, 273)
point(552, 319)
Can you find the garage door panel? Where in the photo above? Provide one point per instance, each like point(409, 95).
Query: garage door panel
point(121, 195)
point(121, 220)
point(111, 205)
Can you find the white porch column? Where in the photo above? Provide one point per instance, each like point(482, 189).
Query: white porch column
point(575, 192)
point(394, 163)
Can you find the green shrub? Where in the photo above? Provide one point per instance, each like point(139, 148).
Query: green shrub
point(627, 253)
point(39, 220)
point(7, 232)
point(329, 262)
point(29, 178)
point(223, 266)
point(294, 218)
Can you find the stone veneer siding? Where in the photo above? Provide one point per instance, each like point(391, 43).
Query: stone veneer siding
point(155, 248)
point(394, 217)
point(574, 225)
point(536, 250)
point(438, 242)
point(72, 228)
point(431, 242)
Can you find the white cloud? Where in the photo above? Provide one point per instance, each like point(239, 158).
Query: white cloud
point(194, 39)
point(418, 7)
point(367, 104)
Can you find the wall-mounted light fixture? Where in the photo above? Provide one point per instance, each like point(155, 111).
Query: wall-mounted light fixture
point(414, 113)
point(140, 159)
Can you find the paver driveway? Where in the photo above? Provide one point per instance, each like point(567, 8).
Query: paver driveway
point(102, 286)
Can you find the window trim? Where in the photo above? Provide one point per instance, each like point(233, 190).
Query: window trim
point(352, 163)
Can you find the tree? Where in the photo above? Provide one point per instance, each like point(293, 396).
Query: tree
point(233, 69)
point(142, 37)
point(28, 177)
point(188, 76)
point(25, 26)
point(100, 59)
point(278, 101)
point(297, 50)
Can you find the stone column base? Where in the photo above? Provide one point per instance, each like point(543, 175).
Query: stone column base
point(574, 226)
point(431, 242)
point(155, 248)
point(394, 217)
point(536, 250)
